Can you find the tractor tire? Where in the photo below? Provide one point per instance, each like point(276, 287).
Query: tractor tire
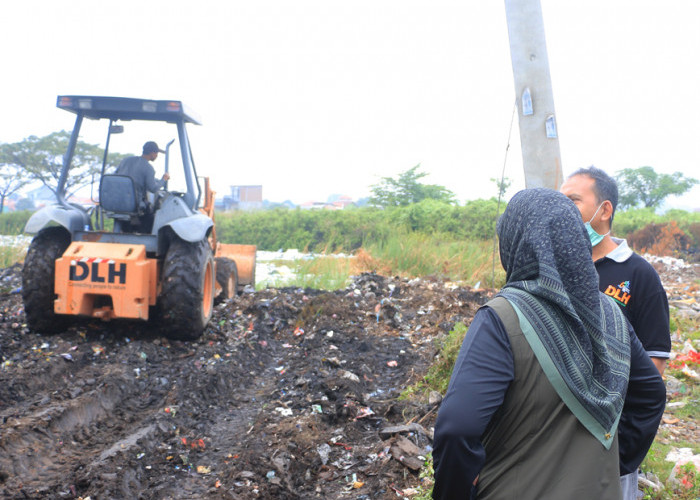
point(38, 279)
point(186, 301)
point(227, 278)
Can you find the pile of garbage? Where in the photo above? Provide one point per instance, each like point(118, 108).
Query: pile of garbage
point(290, 393)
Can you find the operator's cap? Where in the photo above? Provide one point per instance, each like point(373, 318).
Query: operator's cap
point(151, 147)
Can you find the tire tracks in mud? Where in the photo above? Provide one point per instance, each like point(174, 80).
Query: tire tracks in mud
point(282, 397)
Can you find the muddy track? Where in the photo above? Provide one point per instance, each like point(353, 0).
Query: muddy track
point(288, 394)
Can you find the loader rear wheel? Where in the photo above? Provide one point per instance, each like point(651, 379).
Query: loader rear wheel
point(187, 292)
point(226, 277)
point(38, 277)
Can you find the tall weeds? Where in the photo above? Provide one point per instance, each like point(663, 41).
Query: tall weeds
point(439, 255)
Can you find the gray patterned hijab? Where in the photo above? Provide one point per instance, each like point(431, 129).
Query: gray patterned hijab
point(579, 336)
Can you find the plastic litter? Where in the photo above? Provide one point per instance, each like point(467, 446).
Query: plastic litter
point(365, 411)
point(324, 451)
point(348, 375)
point(285, 412)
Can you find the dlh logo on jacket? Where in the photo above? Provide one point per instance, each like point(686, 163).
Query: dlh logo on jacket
point(621, 293)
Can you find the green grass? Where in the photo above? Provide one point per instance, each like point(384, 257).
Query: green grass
point(441, 255)
point(322, 273)
point(425, 489)
point(408, 255)
point(10, 255)
point(656, 463)
point(689, 326)
point(438, 376)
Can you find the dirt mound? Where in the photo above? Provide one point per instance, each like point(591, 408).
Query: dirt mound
point(290, 393)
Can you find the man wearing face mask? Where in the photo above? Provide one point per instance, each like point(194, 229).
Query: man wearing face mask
point(625, 276)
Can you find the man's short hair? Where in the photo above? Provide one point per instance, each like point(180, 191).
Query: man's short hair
point(604, 186)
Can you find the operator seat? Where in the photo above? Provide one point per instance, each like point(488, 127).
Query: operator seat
point(119, 202)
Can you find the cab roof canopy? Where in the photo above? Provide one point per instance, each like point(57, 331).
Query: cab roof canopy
point(126, 108)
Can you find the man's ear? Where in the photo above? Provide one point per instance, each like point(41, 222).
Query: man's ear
point(607, 212)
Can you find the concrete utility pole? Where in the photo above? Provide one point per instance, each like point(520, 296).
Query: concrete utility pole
point(539, 137)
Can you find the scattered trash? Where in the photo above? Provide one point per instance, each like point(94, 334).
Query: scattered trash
point(285, 412)
point(392, 363)
point(365, 411)
point(686, 463)
point(348, 375)
point(324, 451)
point(689, 372)
point(387, 432)
point(434, 398)
point(202, 469)
point(676, 404)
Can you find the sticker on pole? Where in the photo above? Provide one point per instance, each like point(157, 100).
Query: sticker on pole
point(550, 127)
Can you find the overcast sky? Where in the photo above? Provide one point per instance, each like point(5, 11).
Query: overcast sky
point(312, 98)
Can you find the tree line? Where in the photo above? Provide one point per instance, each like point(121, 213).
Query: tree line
point(38, 160)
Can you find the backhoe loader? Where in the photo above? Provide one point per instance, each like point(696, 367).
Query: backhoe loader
point(88, 260)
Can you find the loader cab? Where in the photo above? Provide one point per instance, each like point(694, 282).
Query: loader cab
point(114, 212)
point(130, 123)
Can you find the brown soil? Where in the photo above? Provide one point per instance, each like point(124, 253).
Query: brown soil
point(288, 394)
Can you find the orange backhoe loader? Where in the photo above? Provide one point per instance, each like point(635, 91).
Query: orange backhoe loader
point(169, 272)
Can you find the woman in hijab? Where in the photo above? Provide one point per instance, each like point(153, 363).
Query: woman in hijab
point(547, 372)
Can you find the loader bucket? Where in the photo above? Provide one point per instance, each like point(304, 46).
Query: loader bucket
point(244, 256)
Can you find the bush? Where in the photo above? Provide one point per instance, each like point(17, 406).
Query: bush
point(350, 229)
point(629, 221)
point(311, 230)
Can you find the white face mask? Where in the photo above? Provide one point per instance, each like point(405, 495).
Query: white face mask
point(593, 235)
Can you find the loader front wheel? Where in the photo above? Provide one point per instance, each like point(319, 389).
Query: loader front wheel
point(226, 277)
point(38, 277)
point(186, 301)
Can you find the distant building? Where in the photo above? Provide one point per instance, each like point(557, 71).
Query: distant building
point(41, 196)
point(244, 198)
point(339, 204)
point(343, 201)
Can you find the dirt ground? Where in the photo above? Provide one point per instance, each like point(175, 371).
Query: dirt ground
point(288, 394)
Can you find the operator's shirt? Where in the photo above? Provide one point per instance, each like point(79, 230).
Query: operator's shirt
point(635, 286)
point(143, 174)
